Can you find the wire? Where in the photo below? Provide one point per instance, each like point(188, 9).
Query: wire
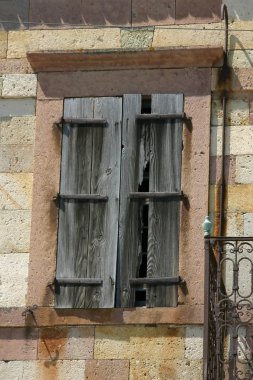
point(83, 26)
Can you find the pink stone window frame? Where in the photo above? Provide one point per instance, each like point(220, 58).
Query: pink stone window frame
point(195, 84)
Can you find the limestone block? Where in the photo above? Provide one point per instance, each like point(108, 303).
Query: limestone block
point(16, 191)
point(13, 66)
point(239, 198)
point(136, 38)
point(66, 343)
point(17, 130)
point(41, 370)
point(16, 107)
point(241, 38)
point(237, 112)
point(244, 169)
point(139, 342)
point(14, 231)
point(240, 59)
point(248, 224)
point(166, 369)
point(16, 158)
point(3, 44)
point(240, 80)
point(234, 224)
point(13, 279)
point(239, 140)
point(12, 370)
point(106, 369)
point(194, 342)
point(238, 10)
point(188, 35)
point(18, 343)
point(37, 40)
point(19, 85)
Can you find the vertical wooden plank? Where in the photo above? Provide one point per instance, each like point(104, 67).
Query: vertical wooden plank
point(88, 232)
point(165, 175)
point(105, 180)
point(76, 164)
point(133, 161)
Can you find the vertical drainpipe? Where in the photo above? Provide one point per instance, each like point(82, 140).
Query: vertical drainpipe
point(224, 76)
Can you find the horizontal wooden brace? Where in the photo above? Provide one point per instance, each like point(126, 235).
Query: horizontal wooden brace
point(79, 281)
point(160, 117)
point(93, 122)
point(156, 195)
point(155, 281)
point(83, 197)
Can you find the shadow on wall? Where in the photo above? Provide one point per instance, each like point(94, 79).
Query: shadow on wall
point(16, 14)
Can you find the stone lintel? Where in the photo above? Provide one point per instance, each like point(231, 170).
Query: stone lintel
point(45, 61)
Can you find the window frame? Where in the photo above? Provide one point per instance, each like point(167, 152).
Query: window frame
point(53, 87)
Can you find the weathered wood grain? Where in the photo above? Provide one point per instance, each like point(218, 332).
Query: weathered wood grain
point(72, 252)
point(88, 230)
point(165, 176)
point(98, 165)
point(103, 219)
point(132, 165)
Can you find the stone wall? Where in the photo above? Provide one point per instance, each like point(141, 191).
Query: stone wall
point(102, 352)
point(77, 353)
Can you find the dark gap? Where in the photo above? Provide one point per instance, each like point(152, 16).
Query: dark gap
point(140, 297)
point(140, 294)
point(146, 104)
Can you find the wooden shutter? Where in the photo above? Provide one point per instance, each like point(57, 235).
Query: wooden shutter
point(88, 228)
point(165, 176)
point(159, 145)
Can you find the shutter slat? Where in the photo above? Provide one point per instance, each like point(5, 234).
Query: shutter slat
point(165, 175)
point(103, 220)
point(76, 164)
point(132, 163)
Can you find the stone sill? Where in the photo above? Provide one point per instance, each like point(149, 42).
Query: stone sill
point(183, 57)
point(46, 316)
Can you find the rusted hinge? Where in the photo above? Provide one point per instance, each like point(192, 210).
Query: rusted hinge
point(29, 310)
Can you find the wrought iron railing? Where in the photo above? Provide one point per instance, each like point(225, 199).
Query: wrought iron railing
point(228, 325)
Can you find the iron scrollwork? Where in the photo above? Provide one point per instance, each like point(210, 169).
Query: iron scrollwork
point(229, 314)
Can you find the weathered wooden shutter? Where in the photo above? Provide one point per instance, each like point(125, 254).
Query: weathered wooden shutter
point(89, 203)
point(155, 141)
point(132, 163)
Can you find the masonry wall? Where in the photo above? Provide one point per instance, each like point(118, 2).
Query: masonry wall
point(109, 352)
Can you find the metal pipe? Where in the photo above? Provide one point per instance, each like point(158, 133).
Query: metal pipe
point(224, 16)
point(222, 180)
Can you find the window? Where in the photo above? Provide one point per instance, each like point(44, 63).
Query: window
point(119, 202)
